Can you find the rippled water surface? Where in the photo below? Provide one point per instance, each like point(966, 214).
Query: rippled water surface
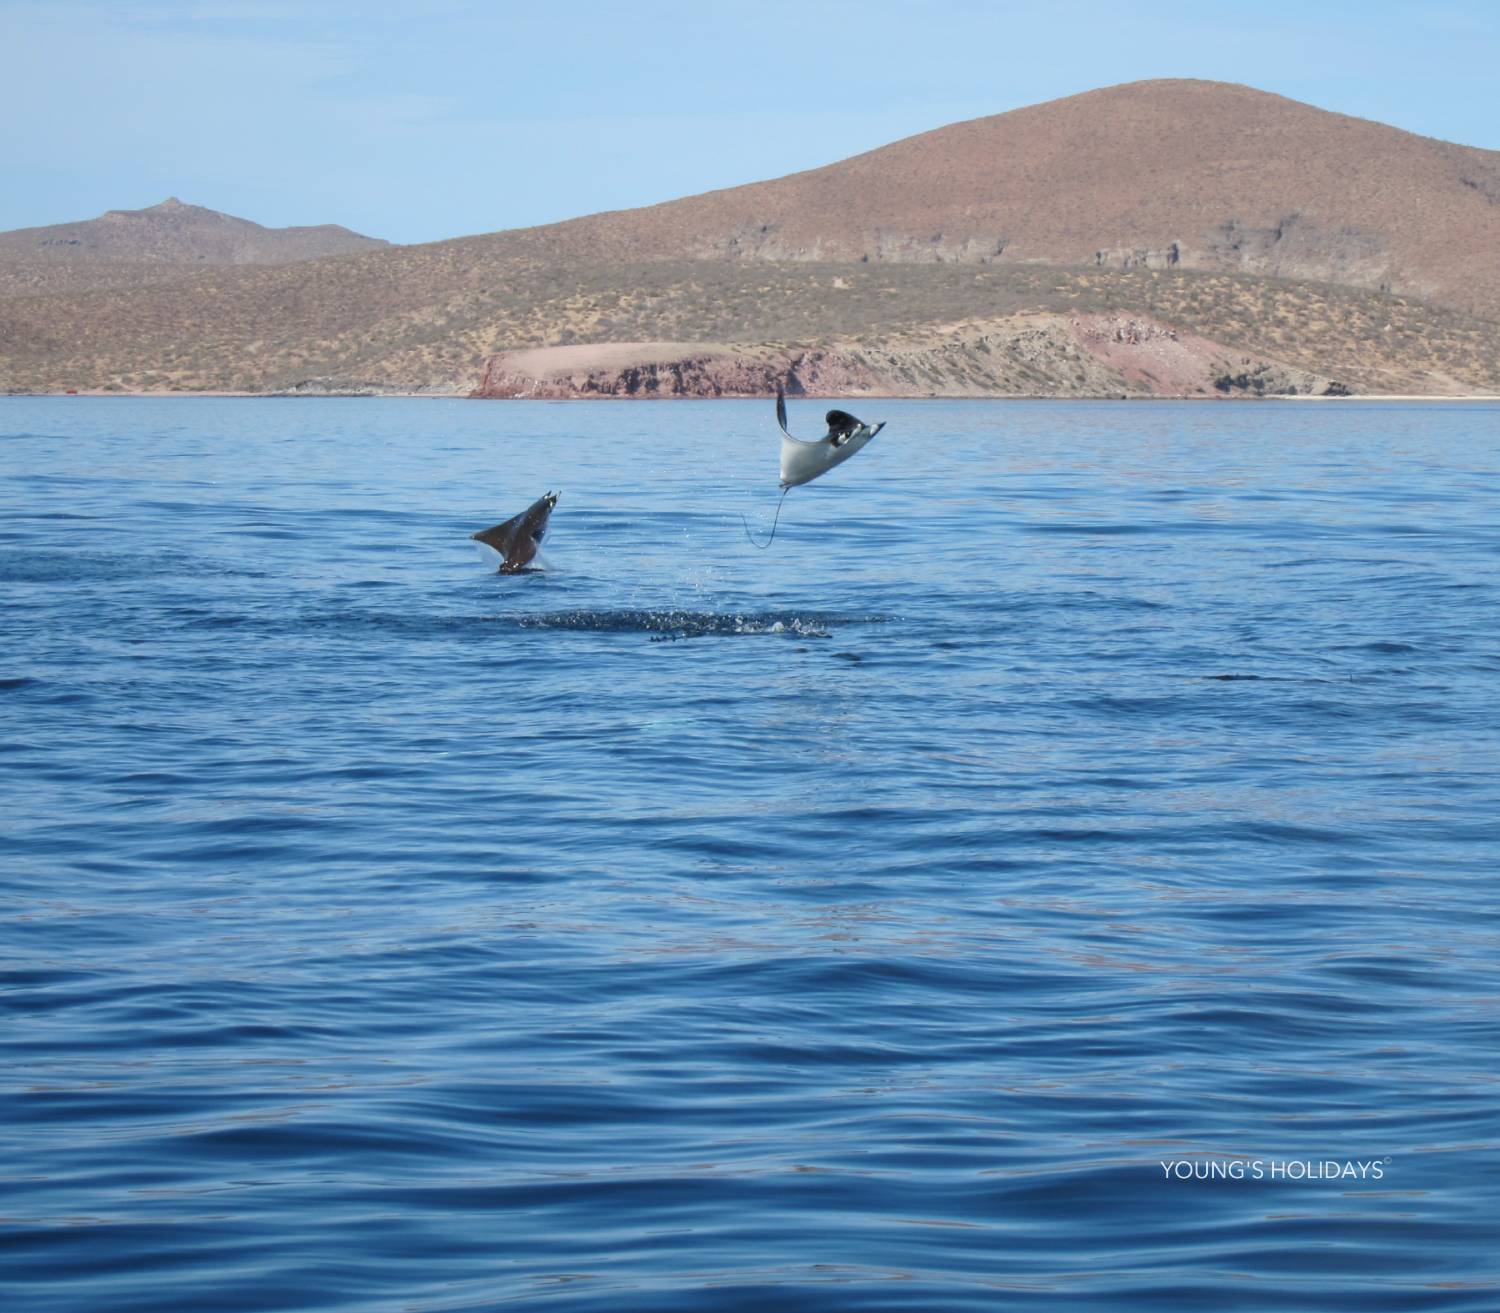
point(862, 923)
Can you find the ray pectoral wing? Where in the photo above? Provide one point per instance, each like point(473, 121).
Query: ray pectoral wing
point(801, 461)
point(496, 536)
point(781, 410)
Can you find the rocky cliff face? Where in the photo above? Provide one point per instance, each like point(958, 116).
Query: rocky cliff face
point(1293, 247)
point(1296, 247)
point(1029, 355)
point(648, 369)
point(770, 241)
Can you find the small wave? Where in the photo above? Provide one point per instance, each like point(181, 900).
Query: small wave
point(34, 567)
point(1385, 647)
point(1093, 530)
point(1265, 679)
point(1095, 601)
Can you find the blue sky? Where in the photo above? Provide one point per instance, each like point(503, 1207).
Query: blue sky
point(416, 122)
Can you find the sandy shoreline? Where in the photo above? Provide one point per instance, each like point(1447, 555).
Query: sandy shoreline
point(811, 396)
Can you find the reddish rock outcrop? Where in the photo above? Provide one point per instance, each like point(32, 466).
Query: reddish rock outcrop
point(1098, 355)
point(1024, 355)
point(665, 369)
point(1155, 359)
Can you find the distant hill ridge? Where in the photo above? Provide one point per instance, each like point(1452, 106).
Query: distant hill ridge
point(1174, 173)
point(175, 233)
point(1173, 237)
point(157, 245)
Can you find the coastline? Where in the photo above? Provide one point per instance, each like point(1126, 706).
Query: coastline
point(97, 393)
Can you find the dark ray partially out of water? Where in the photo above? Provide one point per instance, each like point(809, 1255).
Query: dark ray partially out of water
point(1057, 874)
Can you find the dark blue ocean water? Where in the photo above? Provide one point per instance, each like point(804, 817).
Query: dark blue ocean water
point(1071, 789)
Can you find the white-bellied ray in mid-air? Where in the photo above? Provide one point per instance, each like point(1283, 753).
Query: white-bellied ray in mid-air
point(802, 461)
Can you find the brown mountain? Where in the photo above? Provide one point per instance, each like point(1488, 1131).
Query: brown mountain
point(1282, 245)
point(133, 247)
point(1164, 174)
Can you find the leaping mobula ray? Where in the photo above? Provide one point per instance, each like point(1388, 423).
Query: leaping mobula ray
point(518, 537)
point(803, 461)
